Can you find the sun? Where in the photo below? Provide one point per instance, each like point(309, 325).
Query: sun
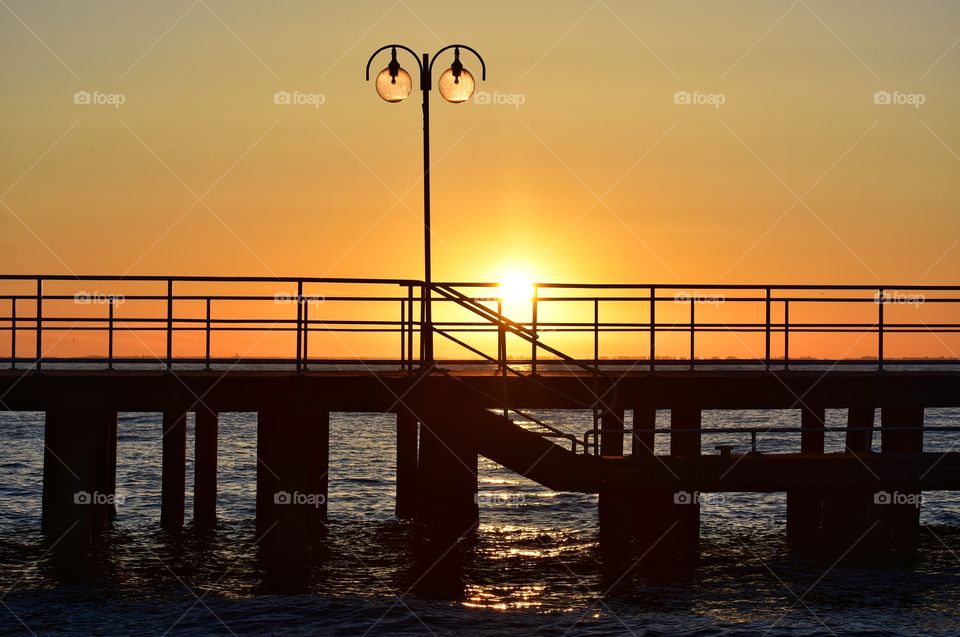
point(516, 288)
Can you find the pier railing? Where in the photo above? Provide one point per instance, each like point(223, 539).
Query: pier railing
point(314, 323)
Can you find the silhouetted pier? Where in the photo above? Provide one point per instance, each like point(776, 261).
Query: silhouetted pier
point(83, 349)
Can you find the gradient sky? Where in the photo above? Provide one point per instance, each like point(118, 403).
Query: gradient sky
point(799, 176)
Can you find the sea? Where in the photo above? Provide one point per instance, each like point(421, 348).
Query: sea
point(532, 568)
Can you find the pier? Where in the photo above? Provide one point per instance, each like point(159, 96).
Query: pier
point(81, 350)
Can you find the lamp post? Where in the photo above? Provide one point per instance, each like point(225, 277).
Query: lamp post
point(456, 85)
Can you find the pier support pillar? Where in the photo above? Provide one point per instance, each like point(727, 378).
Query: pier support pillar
point(292, 464)
point(664, 522)
point(447, 479)
point(849, 514)
point(79, 462)
point(644, 423)
point(901, 509)
point(205, 469)
point(611, 436)
point(407, 443)
point(860, 441)
point(173, 474)
point(111, 477)
point(805, 506)
point(685, 443)
point(628, 514)
point(683, 505)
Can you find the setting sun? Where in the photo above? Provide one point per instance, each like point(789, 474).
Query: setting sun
point(515, 288)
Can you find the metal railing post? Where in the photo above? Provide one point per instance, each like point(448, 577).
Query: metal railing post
point(39, 361)
point(423, 326)
point(13, 333)
point(403, 334)
point(306, 336)
point(766, 357)
point(206, 356)
point(169, 324)
point(786, 334)
point(653, 328)
point(880, 303)
point(533, 327)
point(596, 334)
point(110, 305)
point(502, 358)
point(693, 305)
point(410, 326)
point(299, 326)
point(501, 338)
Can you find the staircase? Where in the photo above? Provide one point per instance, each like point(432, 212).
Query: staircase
point(529, 453)
point(521, 450)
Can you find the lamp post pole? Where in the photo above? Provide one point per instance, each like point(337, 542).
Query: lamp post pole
point(426, 338)
point(456, 86)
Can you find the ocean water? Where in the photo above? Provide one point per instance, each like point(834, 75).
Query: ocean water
point(533, 567)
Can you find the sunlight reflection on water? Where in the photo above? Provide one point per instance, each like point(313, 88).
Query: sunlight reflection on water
point(533, 563)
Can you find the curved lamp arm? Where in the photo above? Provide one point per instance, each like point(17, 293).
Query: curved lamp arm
point(395, 46)
point(483, 66)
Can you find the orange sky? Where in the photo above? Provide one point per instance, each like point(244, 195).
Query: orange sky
point(598, 175)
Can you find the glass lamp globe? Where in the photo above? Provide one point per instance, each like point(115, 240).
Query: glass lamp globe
point(394, 88)
point(456, 89)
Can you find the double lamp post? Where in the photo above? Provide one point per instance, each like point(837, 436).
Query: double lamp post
point(456, 85)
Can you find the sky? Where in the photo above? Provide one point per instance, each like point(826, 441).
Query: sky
point(620, 141)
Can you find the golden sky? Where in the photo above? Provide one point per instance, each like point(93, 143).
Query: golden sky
point(583, 167)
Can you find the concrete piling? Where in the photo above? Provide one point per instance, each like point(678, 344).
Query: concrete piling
point(79, 465)
point(644, 422)
point(292, 466)
point(205, 469)
point(407, 451)
point(173, 474)
point(447, 503)
point(663, 523)
point(611, 436)
point(805, 506)
point(900, 520)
